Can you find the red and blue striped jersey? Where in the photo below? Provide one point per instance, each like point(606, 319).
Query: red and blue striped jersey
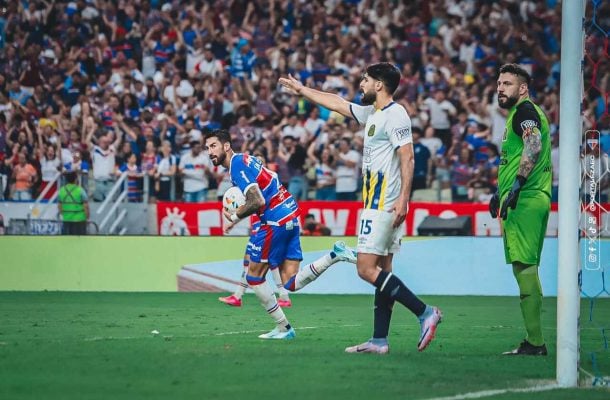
point(280, 207)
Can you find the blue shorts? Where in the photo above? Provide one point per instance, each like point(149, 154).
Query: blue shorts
point(275, 244)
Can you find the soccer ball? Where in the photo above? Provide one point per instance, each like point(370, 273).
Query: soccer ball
point(233, 199)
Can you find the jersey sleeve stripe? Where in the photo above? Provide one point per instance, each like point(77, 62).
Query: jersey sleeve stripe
point(353, 115)
point(264, 179)
point(249, 186)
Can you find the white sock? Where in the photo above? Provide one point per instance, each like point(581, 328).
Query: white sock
point(269, 302)
point(311, 272)
point(278, 283)
point(243, 284)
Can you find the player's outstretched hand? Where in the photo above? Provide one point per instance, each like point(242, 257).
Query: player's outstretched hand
point(494, 205)
point(291, 83)
point(512, 197)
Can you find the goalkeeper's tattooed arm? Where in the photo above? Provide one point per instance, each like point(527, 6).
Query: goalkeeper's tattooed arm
point(526, 123)
point(532, 144)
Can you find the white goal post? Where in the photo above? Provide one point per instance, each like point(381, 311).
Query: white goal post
point(568, 258)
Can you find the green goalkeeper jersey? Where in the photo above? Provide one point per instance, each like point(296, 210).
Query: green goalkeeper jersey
point(525, 118)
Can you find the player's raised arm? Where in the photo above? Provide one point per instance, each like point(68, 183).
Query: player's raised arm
point(329, 100)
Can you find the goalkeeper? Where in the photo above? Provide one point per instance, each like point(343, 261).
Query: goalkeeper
point(523, 199)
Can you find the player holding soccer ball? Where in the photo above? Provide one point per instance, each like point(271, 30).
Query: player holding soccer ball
point(387, 169)
point(278, 240)
point(232, 199)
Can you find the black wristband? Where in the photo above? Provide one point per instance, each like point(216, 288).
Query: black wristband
point(521, 179)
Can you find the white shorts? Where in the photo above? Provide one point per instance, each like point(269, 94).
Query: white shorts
point(376, 234)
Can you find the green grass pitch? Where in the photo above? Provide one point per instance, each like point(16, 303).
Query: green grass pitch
point(79, 345)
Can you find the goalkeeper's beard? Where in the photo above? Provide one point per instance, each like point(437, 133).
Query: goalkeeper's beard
point(507, 102)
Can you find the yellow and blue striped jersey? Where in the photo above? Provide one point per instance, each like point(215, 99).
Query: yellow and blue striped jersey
point(385, 130)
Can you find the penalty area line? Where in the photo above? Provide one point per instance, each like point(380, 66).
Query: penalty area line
point(494, 392)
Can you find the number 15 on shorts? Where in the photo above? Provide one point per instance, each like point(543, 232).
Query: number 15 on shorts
point(365, 226)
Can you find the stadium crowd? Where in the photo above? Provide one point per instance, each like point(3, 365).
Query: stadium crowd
point(104, 87)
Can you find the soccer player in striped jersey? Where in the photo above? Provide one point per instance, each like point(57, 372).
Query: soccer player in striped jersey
point(387, 169)
point(235, 299)
point(278, 241)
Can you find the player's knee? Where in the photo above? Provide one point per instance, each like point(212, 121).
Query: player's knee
point(366, 273)
point(255, 280)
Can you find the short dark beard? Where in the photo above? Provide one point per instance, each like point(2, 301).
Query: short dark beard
point(369, 98)
point(220, 160)
point(508, 103)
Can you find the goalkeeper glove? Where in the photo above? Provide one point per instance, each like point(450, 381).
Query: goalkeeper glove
point(494, 205)
point(512, 197)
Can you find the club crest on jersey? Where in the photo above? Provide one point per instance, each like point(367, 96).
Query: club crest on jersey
point(371, 131)
point(529, 127)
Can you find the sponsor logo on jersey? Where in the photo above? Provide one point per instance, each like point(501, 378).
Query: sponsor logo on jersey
point(403, 133)
point(371, 131)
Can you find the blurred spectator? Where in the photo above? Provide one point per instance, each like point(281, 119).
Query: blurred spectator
point(440, 110)
point(313, 228)
point(131, 166)
point(165, 172)
point(423, 163)
point(148, 164)
point(24, 178)
point(479, 188)
point(325, 176)
point(49, 159)
point(433, 143)
point(294, 155)
point(294, 129)
point(461, 174)
point(103, 156)
point(348, 170)
point(195, 166)
point(5, 177)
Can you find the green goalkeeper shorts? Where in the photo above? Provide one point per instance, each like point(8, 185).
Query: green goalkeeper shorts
point(525, 226)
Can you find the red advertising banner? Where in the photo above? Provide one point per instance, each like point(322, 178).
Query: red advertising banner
point(204, 219)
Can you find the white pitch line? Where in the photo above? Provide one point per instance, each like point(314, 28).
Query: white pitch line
point(100, 338)
point(488, 393)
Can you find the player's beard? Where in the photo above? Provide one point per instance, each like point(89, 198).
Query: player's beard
point(369, 98)
point(219, 159)
point(507, 102)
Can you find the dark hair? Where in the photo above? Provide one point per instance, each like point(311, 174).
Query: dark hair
point(386, 73)
point(70, 176)
point(517, 70)
point(221, 134)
